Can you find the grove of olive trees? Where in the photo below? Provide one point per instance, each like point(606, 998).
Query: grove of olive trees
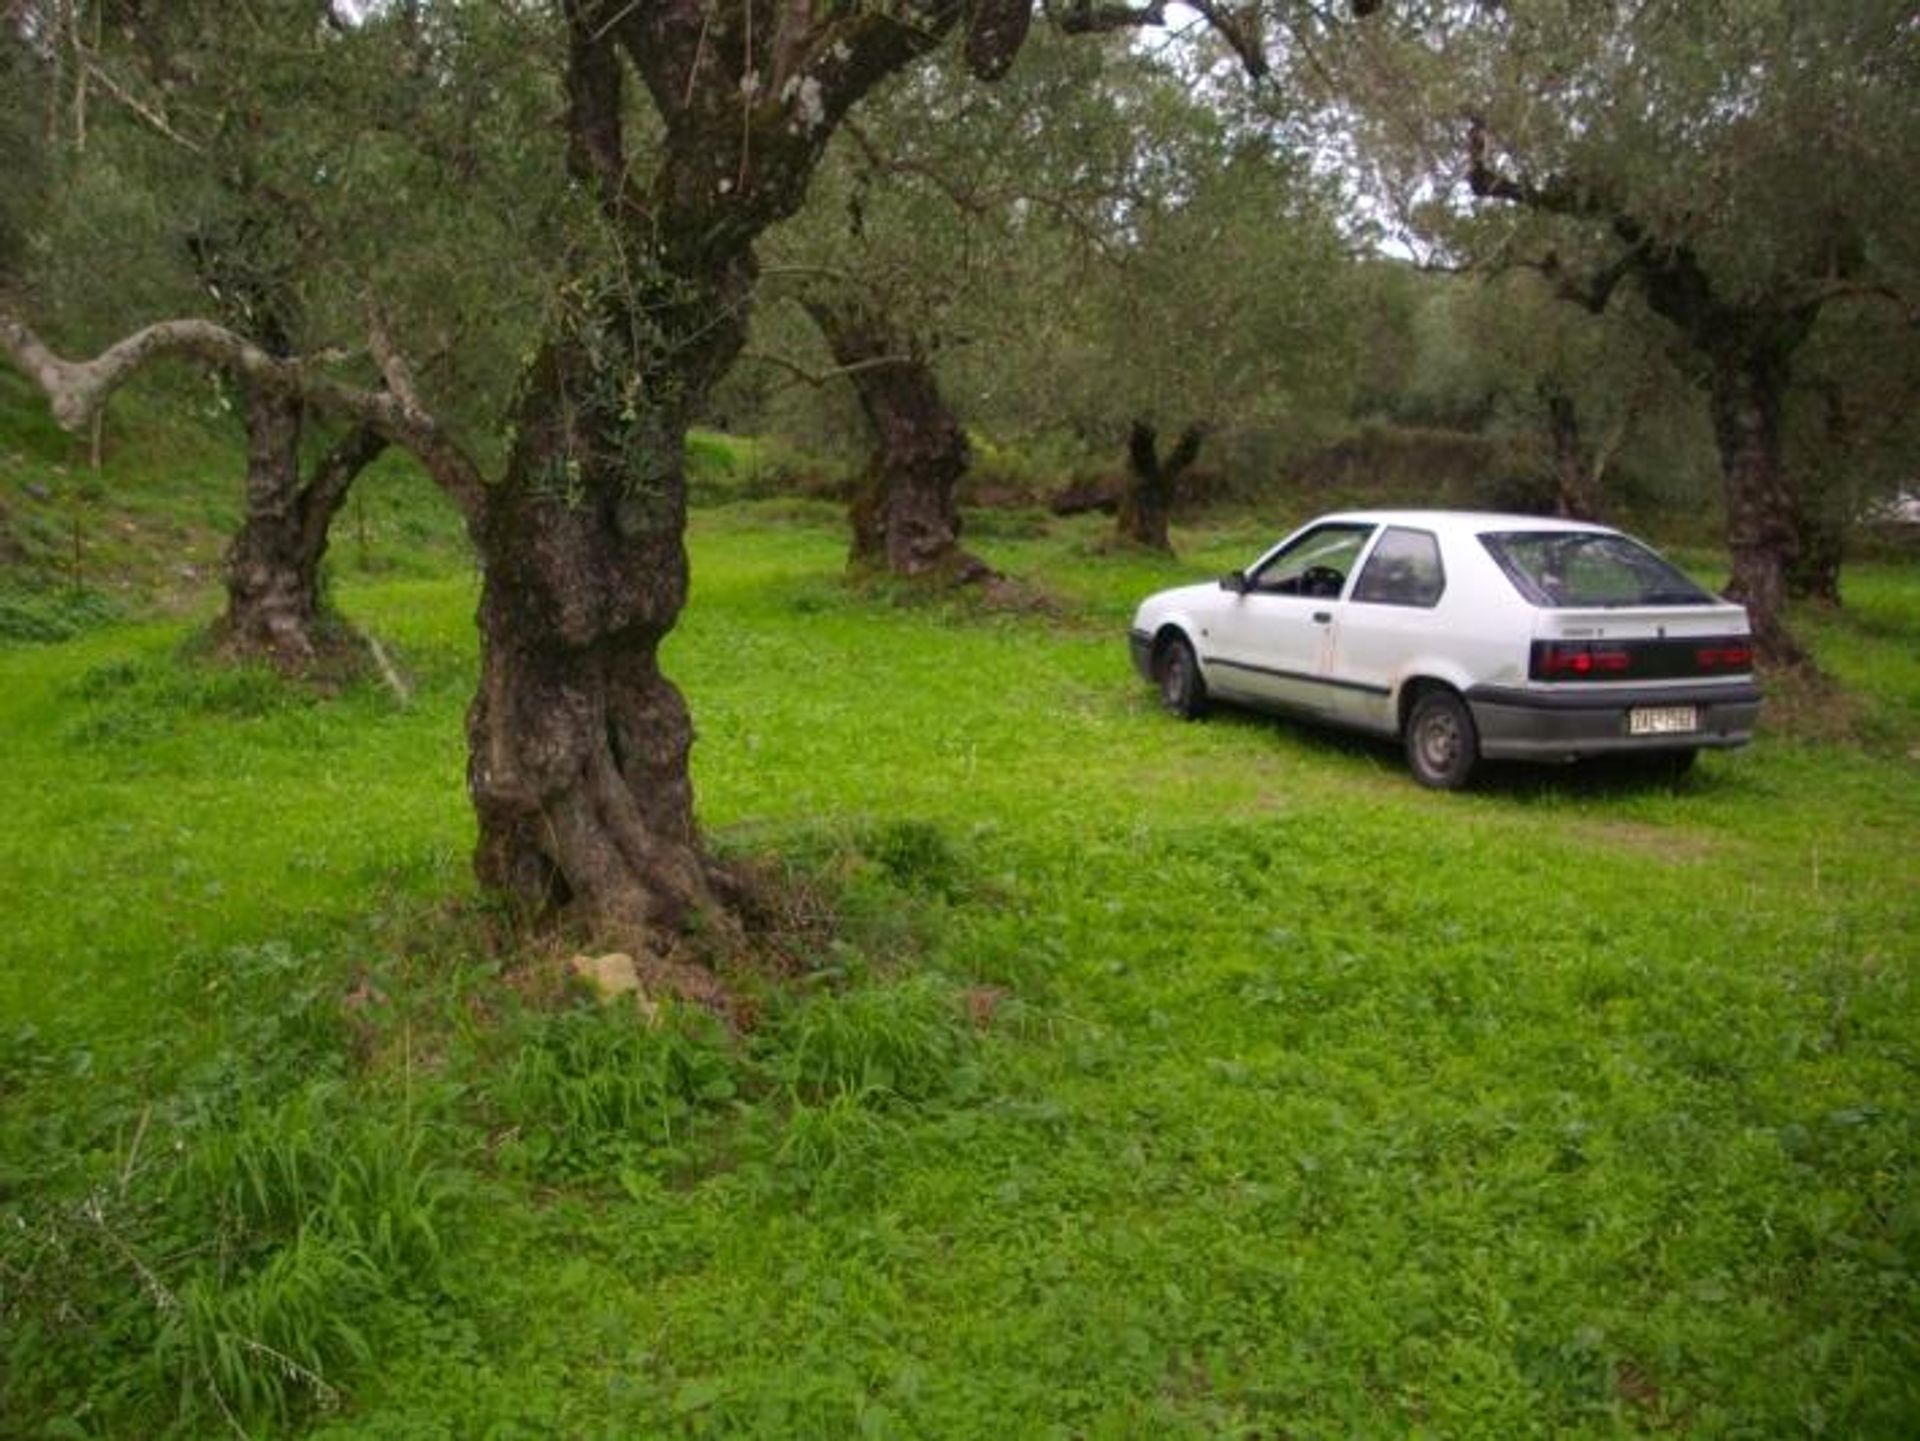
point(526, 244)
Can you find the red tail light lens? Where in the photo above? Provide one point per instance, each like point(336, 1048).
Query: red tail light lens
point(1640, 660)
point(1725, 657)
point(1562, 662)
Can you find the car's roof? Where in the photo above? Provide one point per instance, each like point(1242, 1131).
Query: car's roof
point(1474, 522)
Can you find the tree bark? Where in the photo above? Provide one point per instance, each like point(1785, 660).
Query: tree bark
point(578, 745)
point(1814, 573)
point(275, 608)
point(1821, 509)
point(906, 516)
point(1573, 486)
point(1748, 388)
point(1146, 505)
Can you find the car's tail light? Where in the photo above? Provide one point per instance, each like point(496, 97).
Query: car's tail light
point(1640, 660)
point(1732, 656)
point(1559, 660)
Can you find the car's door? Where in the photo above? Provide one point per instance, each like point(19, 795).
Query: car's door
point(1270, 642)
point(1390, 617)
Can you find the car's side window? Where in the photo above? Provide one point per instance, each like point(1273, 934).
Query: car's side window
point(1404, 569)
point(1317, 564)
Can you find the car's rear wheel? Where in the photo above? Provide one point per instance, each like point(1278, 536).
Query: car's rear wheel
point(1183, 692)
point(1443, 748)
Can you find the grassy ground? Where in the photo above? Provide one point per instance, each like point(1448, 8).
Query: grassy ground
point(1150, 1080)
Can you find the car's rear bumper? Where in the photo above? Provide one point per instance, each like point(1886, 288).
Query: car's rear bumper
point(1565, 725)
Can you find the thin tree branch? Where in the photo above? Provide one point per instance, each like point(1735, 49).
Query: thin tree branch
point(819, 378)
point(76, 390)
point(1866, 290)
point(1559, 195)
point(143, 112)
point(1240, 29)
point(881, 163)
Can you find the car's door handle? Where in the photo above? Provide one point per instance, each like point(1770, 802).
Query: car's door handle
point(1321, 617)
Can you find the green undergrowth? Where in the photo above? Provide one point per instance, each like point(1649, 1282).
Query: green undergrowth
point(1112, 1077)
point(83, 548)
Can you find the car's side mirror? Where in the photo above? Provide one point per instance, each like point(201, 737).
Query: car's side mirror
point(1235, 581)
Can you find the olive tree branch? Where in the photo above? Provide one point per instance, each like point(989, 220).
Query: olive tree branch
point(76, 390)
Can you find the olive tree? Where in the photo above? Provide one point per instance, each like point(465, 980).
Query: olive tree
point(945, 211)
point(249, 164)
point(578, 744)
point(1743, 165)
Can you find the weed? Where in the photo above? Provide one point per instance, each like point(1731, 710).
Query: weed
point(832, 1150)
point(260, 1349)
point(917, 856)
point(591, 1089)
point(297, 1171)
point(237, 1273)
point(54, 614)
point(906, 1041)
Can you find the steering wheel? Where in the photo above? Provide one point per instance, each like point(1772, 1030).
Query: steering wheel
point(1321, 580)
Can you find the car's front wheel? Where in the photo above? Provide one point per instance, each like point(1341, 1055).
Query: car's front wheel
point(1183, 692)
point(1443, 748)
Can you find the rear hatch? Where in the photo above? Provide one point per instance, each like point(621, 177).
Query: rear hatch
point(1611, 611)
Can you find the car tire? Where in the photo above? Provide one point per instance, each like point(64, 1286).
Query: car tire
point(1183, 692)
point(1443, 748)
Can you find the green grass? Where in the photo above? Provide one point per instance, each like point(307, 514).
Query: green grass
point(1154, 1080)
point(146, 533)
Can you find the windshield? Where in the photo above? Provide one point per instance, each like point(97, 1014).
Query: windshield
point(1562, 569)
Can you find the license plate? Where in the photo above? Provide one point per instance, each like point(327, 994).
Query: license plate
point(1662, 720)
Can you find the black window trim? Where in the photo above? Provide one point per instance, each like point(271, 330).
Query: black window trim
point(1369, 531)
point(1440, 558)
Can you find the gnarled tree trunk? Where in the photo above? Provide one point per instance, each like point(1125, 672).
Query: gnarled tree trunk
point(1573, 487)
point(1814, 573)
point(906, 516)
point(274, 605)
point(1748, 388)
point(578, 745)
point(1748, 344)
point(1821, 510)
point(1146, 505)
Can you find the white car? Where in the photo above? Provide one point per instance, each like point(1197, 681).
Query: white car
point(1467, 635)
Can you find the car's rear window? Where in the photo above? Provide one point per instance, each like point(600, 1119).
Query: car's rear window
point(1567, 568)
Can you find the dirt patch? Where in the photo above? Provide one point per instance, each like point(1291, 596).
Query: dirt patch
point(1640, 838)
point(1809, 706)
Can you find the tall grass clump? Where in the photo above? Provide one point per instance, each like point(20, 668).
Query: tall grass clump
point(917, 856)
point(904, 1042)
point(297, 1171)
point(236, 1278)
point(220, 1239)
point(595, 1089)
